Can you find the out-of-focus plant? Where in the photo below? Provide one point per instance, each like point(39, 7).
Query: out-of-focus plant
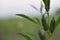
point(49, 23)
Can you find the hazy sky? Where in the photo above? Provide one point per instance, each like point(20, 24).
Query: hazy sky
point(12, 7)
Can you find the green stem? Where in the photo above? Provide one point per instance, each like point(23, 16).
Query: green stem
point(48, 19)
point(49, 33)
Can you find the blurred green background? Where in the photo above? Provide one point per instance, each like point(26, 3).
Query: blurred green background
point(10, 27)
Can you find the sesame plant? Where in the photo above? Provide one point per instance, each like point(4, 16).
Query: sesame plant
point(48, 22)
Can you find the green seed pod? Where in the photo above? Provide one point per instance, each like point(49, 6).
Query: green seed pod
point(52, 25)
point(47, 4)
point(44, 23)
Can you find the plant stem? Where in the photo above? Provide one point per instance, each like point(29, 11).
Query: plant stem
point(48, 19)
point(49, 33)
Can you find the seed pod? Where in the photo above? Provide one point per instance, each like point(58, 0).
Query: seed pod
point(44, 23)
point(52, 25)
point(47, 4)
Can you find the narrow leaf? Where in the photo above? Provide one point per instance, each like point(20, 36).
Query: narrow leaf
point(58, 21)
point(35, 8)
point(22, 15)
point(41, 8)
point(37, 20)
point(44, 23)
point(47, 4)
point(30, 34)
point(25, 36)
point(42, 37)
point(52, 25)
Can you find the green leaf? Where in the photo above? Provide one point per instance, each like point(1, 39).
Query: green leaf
point(30, 34)
point(47, 4)
point(35, 8)
point(25, 36)
point(52, 25)
point(42, 37)
point(44, 23)
point(41, 8)
point(22, 15)
point(37, 20)
point(58, 21)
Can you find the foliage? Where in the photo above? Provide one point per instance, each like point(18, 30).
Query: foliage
point(25, 36)
point(48, 24)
